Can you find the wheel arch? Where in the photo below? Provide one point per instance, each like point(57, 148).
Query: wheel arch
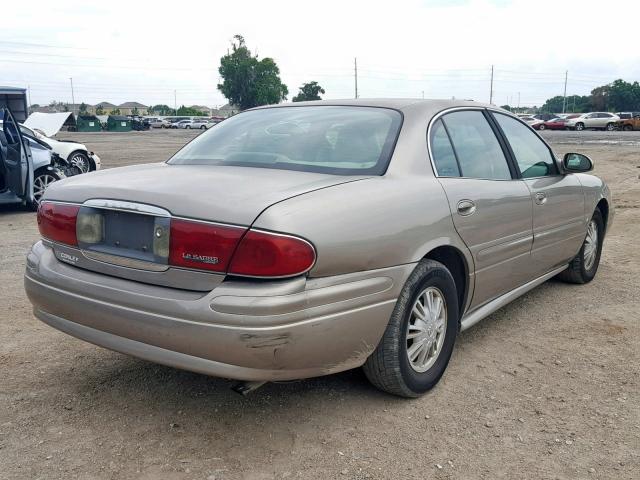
point(455, 261)
point(603, 206)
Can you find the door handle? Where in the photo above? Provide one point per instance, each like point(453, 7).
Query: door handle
point(541, 198)
point(466, 207)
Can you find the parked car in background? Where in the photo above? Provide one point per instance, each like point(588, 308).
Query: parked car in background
point(629, 124)
point(173, 122)
point(556, 123)
point(253, 281)
point(626, 115)
point(140, 124)
point(199, 123)
point(182, 124)
point(27, 166)
point(158, 123)
point(531, 120)
point(598, 120)
point(545, 117)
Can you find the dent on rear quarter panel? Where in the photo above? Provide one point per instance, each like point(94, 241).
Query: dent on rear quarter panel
point(369, 224)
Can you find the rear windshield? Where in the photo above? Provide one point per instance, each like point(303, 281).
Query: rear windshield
point(327, 139)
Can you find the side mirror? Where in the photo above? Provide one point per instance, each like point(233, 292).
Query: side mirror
point(577, 163)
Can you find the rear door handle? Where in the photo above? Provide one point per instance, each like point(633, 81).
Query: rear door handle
point(466, 207)
point(541, 198)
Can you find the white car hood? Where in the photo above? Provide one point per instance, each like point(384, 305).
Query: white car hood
point(49, 123)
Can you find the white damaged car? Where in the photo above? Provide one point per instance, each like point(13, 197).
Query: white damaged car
point(75, 153)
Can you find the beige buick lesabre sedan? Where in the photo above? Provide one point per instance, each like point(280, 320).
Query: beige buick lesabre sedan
point(301, 240)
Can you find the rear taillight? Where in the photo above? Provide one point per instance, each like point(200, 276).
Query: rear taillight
point(57, 222)
point(265, 254)
point(205, 246)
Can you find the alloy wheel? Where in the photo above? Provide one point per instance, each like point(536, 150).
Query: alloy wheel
point(590, 251)
point(40, 184)
point(426, 329)
point(80, 161)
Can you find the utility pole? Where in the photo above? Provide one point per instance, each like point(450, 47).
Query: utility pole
point(28, 99)
point(564, 100)
point(423, 94)
point(491, 88)
point(355, 70)
point(73, 99)
point(518, 101)
point(175, 103)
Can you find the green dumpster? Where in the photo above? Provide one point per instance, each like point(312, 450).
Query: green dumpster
point(88, 123)
point(118, 123)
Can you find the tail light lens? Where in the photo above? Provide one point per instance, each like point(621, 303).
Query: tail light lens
point(205, 246)
point(57, 222)
point(265, 254)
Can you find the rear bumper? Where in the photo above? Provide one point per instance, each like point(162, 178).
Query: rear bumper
point(243, 330)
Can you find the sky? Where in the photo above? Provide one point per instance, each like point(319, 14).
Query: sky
point(169, 52)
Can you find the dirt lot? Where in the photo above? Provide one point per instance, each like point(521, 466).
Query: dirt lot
point(545, 388)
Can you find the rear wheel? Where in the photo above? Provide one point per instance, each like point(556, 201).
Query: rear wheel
point(417, 344)
point(627, 128)
point(203, 127)
point(188, 127)
point(579, 126)
point(584, 265)
point(41, 182)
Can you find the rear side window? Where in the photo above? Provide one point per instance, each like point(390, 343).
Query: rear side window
point(338, 140)
point(533, 157)
point(475, 144)
point(442, 152)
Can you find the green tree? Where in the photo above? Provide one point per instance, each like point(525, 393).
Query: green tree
point(100, 110)
point(248, 82)
point(600, 98)
point(82, 109)
point(115, 111)
point(135, 112)
point(624, 96)
point(309, 91)
point(189, 112)
point(504, 107)
point(161, 110)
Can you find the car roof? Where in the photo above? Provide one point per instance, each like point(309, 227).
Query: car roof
point(403, 104)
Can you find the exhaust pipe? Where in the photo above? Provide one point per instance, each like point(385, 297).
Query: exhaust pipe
point(246, 387)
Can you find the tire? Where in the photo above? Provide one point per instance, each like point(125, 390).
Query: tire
point(389, 368)
point(81, 161)
point(203, 127)
point(579, 126)
point(610, 127)
point(627, 128)
point(163, 126)
point(541, 126)
point(41, 181)
point(582, 269)
point(188, 127)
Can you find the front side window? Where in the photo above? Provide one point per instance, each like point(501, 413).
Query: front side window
point(476, 146)
point(532, 155)
point(338, 140)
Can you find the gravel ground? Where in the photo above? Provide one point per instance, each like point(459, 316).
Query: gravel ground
point(545, 388)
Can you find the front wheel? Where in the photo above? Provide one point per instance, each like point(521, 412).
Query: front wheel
point(541, 126)
point(417, 344)
point(584, 265)
point(203, 127)
point(610, 127)
point(579, 126)
point(41, 182)
point(81, 161)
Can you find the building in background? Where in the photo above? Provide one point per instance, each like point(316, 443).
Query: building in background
point(133, 108)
